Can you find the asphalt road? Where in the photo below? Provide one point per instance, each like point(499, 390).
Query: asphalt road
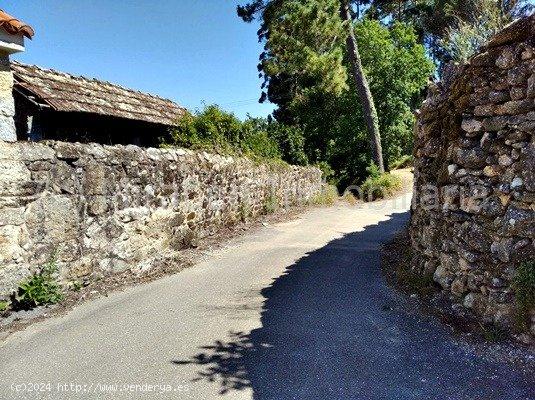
point(297, 310)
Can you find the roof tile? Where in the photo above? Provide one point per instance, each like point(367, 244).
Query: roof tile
point(14, 27)
point(64, 92)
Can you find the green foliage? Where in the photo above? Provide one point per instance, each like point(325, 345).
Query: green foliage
point(291, 142)
point(378, 186)
point(306, 73)
point(327, 172)
point(271, 203)
point(4, 306)
point(313, 57)
point(215, 130)
point(524, 289)
point(326, 197)
point(450, 28)
point(298, 78)
point(398, 69)
point(465, 37)
point(404, 161)
point(76, 285)
point(41, 288)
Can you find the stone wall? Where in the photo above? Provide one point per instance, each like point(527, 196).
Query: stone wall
point(473, 213)
point(110, 209)
point(7, 103)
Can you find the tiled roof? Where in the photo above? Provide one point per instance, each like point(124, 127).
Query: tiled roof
point(64, 92)
point(13, 26)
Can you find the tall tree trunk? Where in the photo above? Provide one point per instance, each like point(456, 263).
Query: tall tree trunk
point(363, 89)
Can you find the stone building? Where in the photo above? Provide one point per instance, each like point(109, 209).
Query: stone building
point(38, 103)
point(59, 106)
point(12, 34)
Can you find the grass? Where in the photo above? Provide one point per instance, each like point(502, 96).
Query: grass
point(349, 198)
point(396, 265)
point(379, 186)
point(524, 289)
point(402, 162)
point(326, 197)
point(4, 305)
point(40, 289)
point(271, 204)
point(415, 283)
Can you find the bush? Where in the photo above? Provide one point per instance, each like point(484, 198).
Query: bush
point(466, 38)
point(215, 130)
point(349, 198)
point(326, 197)
point(291, 142)
point(379, 186)
point(402, 162)
point(271, 203)
point(257, 144)
point(4, 305)
point(524, 289)
point(39, 289)
point(210, 129)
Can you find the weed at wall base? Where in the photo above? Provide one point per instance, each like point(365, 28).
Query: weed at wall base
point(41, 288)
point(524, 289)
point(244, 211)
point(271, 204)
point(4, 305)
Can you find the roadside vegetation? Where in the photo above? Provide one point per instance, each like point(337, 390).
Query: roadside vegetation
point(379, 185)
point(326, 197)
point(397, 268)
point(524, 289)
point(271, 204)
point(41, 288)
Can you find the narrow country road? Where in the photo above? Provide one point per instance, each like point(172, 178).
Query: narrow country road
point(297, 310)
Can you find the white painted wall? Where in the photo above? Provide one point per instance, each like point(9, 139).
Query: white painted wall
point(11, 43)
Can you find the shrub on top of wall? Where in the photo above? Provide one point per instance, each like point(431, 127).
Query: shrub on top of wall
point(215, 130)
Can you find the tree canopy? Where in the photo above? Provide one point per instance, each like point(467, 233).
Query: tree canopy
point(306, 74)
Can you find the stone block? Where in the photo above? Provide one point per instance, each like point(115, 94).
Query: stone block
point(53, 220)
point(7, 129)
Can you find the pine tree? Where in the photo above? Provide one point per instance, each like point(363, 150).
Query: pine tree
point(305, 42)
point(363, 89)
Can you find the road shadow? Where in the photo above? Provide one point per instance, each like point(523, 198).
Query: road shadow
point(332, 329)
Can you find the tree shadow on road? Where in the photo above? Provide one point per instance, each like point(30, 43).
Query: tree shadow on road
point(332, 329)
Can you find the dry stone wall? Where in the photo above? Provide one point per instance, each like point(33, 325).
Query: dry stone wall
point(110, 209)
point(473, 212)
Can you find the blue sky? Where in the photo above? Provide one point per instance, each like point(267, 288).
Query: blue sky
point(187, 50)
